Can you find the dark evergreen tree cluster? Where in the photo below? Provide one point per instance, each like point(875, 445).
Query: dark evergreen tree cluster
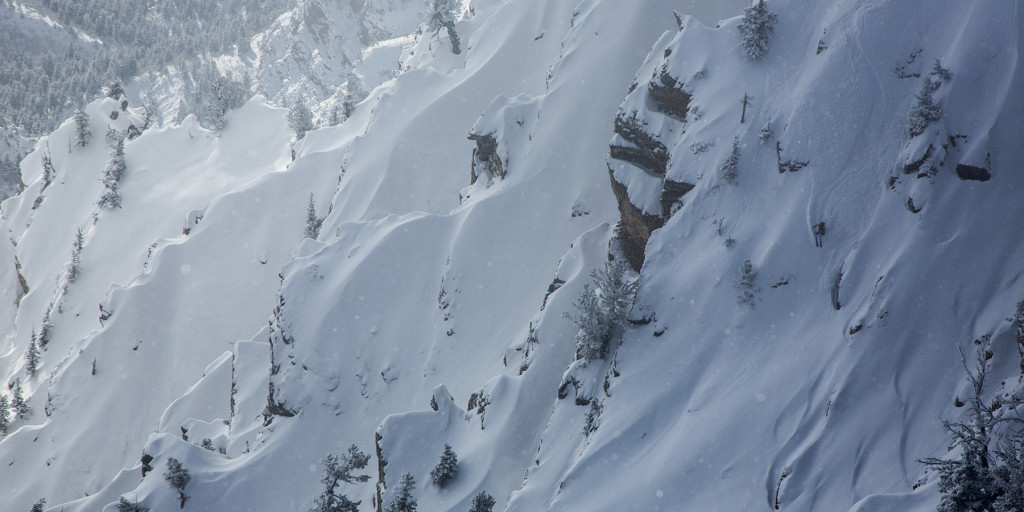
point(40, 86)
point(601, 309)
point(5, 414)
point(19, 407)
point(337, 470)
point(482, 502)
point(988, 476)
point(74, 268)
point(446, 469)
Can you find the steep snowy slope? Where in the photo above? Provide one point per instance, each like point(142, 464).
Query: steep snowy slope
point(428, 306)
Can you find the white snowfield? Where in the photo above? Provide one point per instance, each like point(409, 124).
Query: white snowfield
point(430, 310)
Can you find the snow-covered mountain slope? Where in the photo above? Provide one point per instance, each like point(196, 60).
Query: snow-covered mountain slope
point(428, 307)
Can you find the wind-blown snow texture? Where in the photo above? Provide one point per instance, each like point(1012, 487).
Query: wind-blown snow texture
point(822, 394)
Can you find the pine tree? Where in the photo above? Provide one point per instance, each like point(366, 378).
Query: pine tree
point(443, 14)
point(403, 501)
point(82, 130)
point(446, 469)
point(124, 505)
point(112, 175)
point(300, 118)
point(729, 168)
point(977, 480)
point(177, 477)
point(482, 502)
point(313, 223)
point(39, 506)
point(756, 27)
point(602, 309)
point(76, 256)
point(46, 328)
point(337, 470)
point(19, 407)
point(925, 111)
point(32, 356)
point(745, 284)
point(5, 414)
point(48, 170)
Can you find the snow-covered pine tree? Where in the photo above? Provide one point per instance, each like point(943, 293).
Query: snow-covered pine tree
point(446, 469)
point(1009, 474)
point(300, 118)
point(969, 483)
point(112, 175)
point(19, 407)
point(482, 502)
point(924, 110)
point(443, 14)
point(5, 413)
point(46, 328)
point(730, 167)
point(403, 501)
point(48, 170)
point(177, 477)
point(1017, 323)
point(74, 268)
point(32, 356)
point(602, 309)
point(123, 505)
point(756, 28)
point(337, 470)
point(745, 284)
point(39, 506)
point(82, 131)
point(313, 222)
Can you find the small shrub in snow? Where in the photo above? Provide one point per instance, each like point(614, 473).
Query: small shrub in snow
point(700, 147)
point(482, 502)
point(446, 469)
point(145, 460)
point(982, 479)
point(593, 418)
point(745, 284)
point(766, 133)
point(124, 505)
point(403, 501)
point(178, 478)
point(337, 470)
point(730, 167)
point(206, 444)
point(82, 131)
point(39, 506)
point(756, 28)
point(924, 110)
point(601, 310)
point(300, 118)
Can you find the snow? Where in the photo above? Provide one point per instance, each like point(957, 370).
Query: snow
point(423, 287)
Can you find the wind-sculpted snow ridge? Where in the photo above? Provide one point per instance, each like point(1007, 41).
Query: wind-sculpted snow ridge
point(793, 345)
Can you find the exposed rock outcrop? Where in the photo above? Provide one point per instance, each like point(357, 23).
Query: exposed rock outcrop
point(485, 157)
